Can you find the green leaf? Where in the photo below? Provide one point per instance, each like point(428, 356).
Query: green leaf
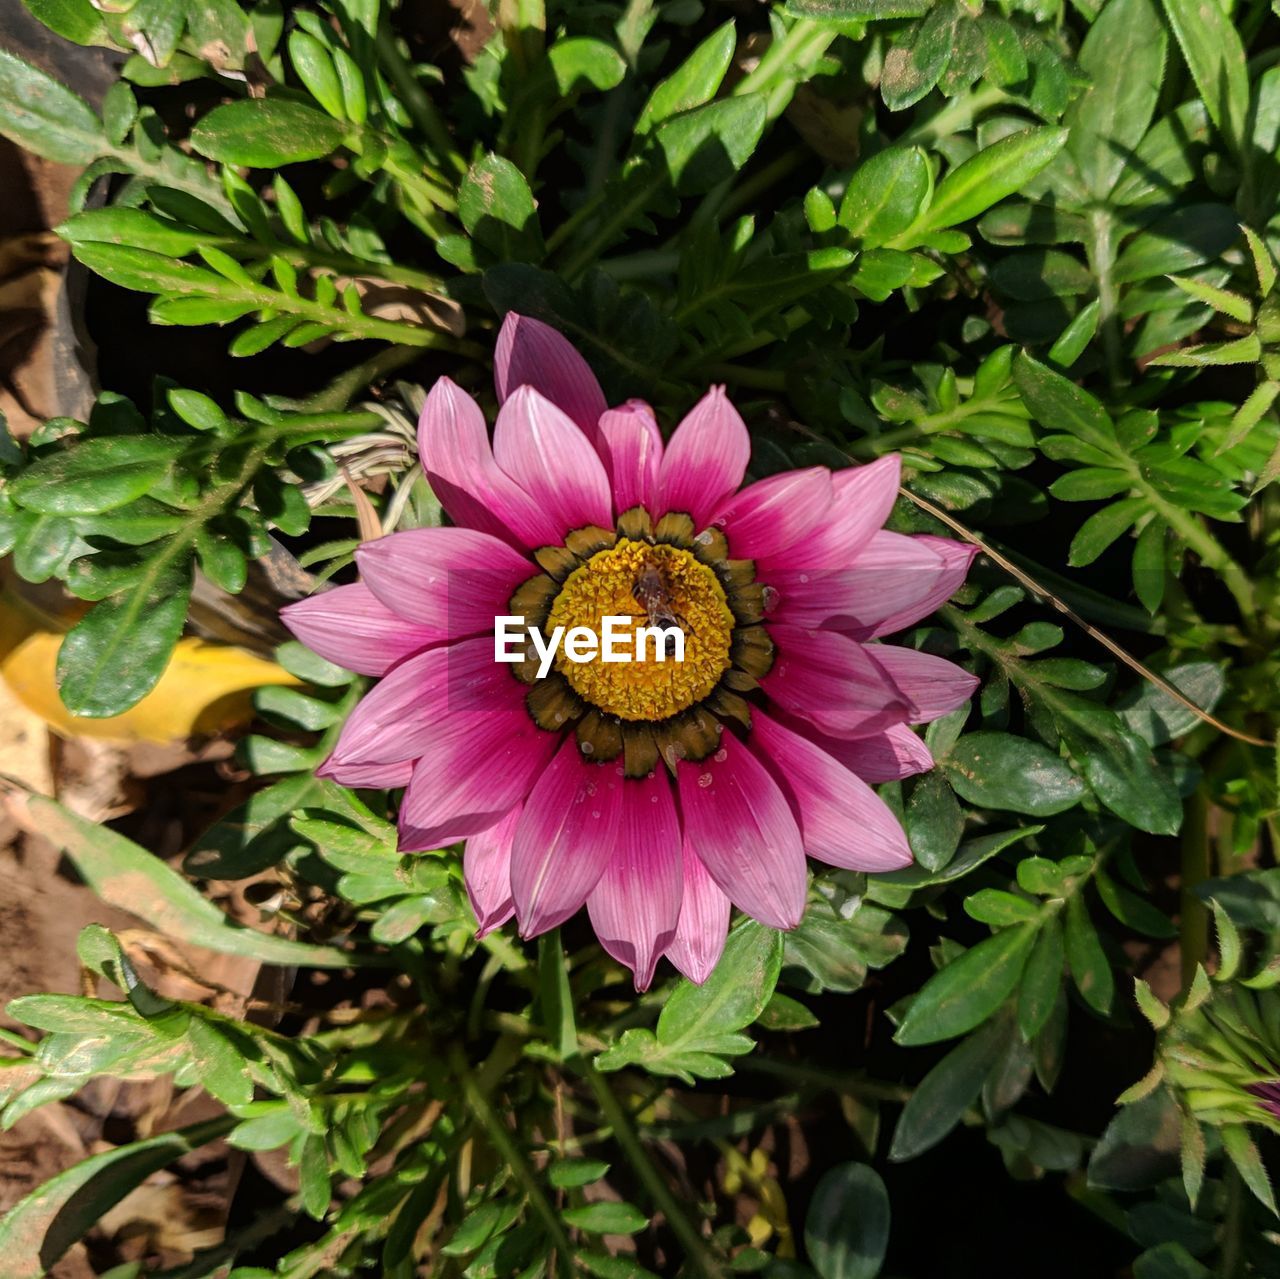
point(1229, 948)
point(268, 1131)
point(1188, 237)
point(998, 908)
point(699, 1025)
point(568, 1173)
point(934, 822)
point(1000, 770)
point(580, 62)
point(74, 20)
point(1059, 405)
point(855, 10)
point(1102, 528)
point(1149, 567)
point(44, 116)
point(703, 147)
point(832, 952)
point(1244, 1154)
point(911, 69)
point(39, 1229)
point(945, 1093)
point(783, 1013)
point(968, 990)
point(1169, 1260)
point(219, 1062)
point(497, 209)
point(124, 875)
point(1132, 910)
point(1139, 1148)
point(1153, 1010)
point(1214, 52)
point(94, 475)
point(1123, 773)
point(846, 1230)
point(885, 195)
point(606, 1218)
point(1232, 304)
point(1123, 55)
point(256, 834)
point(315, 69)
point(1041, 979)
point(263, 133)
point(694, 82)
point(1090, 968)
point(115, 654)
point(986, 178)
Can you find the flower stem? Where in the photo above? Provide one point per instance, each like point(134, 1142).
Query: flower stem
point(500, 1139)
point(699, 1256)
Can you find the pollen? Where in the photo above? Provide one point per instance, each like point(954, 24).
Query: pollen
point(674, 589)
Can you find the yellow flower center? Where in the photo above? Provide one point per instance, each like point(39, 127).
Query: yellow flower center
point(653, 586)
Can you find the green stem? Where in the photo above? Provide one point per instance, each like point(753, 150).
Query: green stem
point(957, 114)
point(339, 263)
point(500, 1139)
point(419, 106)
point(699, 1256)
point(776, 74)
point(1193, 926)
point(1230, 1264)
point(346, 386)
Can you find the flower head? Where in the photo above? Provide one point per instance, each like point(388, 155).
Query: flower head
point(655, 792)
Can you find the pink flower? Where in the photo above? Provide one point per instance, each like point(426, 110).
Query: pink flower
point(657, 793)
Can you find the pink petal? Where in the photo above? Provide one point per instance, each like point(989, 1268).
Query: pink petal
point(398, 718)
point(630, 445)
point(530, 353)
point(566, 836)
point(370, 776)
point(772, 515)
point(392, 722)
point(832, 681)
point(349, 625)
point(887, 756)
point(842, 820)
point(546, 454)
point(740, 825)
point(931, 685)
point(453, 581)
point(862, 497)
point(895, 580)
point(703, 924)
point(930, 591)
point(482, 755)
point(705, 459)
point(486, 870)
point(636, 903)
point(453, 446)
point(472, 773)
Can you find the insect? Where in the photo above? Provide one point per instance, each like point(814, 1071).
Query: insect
point(653, 592)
